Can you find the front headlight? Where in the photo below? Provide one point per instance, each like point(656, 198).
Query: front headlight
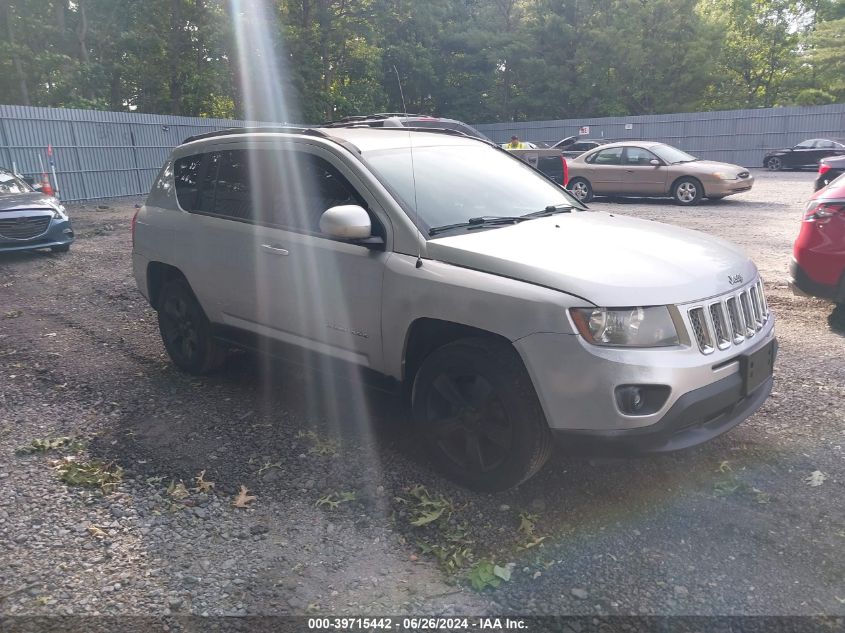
point(60, 213)
point(723, 175)
point(626, 327)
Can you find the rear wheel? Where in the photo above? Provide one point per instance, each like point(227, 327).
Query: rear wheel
point(774, 163)
point(479, 414)
point(186, 331)
point(581, 189)
point(687, 191)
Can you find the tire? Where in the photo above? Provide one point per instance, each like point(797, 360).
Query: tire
point(186, 331)
point(581, 189)
point(479, 415)
point(687, 191)
point(775, 163)
point(63, 248)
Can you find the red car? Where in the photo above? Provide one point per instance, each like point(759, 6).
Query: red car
point(818, 257)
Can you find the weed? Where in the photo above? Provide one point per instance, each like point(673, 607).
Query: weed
point(485, 573)
point(324, 447)
point(333, 500)
point(177, 491)
point(50, 444)
point(427, 508)
point(268, 466)
point(90, 473)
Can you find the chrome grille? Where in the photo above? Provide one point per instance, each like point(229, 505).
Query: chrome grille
point(24, 227)
point(699, 329)
point(720, 325)
point(729, 320)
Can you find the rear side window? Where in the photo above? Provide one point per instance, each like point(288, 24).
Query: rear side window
point(611, 156)
point(186, 173)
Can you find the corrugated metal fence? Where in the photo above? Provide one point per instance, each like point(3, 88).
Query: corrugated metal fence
point(109, 154)
point(96, 154)
point(734, 136)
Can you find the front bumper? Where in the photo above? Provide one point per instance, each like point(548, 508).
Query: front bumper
point(802, 284)
point(577, 384)
point(728, 187)
point(696, 417)
point(58, 233)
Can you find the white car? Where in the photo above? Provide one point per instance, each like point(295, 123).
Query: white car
point(513, 314)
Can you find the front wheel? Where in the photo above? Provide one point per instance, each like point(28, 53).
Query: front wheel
point(774, 164)
point(581, 189)
point(687, 191)
point(479, 414)
point(186, 331)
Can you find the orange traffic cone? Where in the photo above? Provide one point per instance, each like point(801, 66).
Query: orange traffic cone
point(46, 187)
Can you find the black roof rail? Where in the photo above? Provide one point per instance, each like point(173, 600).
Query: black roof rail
point(252, 130)
point(378, 116)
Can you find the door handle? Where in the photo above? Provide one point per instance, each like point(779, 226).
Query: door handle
point(275, 249)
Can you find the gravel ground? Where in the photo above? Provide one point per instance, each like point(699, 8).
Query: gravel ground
point(733, 527)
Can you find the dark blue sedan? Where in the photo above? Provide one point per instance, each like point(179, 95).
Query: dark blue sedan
point(29, 219)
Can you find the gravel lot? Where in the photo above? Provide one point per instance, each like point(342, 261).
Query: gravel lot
point(733, 527)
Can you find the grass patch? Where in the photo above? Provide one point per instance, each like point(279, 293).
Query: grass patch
point(50, 444)
point(92, 473)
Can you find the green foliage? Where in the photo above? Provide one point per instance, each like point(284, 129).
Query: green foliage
point(50, 444)
point(89, 473)
point(485, 574)
point(479, 60)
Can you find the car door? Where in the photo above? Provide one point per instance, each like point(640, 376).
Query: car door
point(640, 176)
point(802, 154)
point(274, 273)
point(605, 171)
point(318, 292)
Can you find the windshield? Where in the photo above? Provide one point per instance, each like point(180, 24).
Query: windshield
point(12, 184)
point(456, 183)
point(672, 155)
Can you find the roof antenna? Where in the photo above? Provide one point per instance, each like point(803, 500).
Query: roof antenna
point(413, 171)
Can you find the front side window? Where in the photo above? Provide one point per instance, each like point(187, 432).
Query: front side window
point(275, 187)
point(638, 156)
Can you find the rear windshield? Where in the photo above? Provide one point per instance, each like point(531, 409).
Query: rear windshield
point(453, 184)
point(13, 184)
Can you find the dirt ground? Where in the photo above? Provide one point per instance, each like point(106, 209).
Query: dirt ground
point(733, 527)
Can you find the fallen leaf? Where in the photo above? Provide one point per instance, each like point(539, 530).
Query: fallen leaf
point(816, 478)
point(242, 499)
point(97, 532)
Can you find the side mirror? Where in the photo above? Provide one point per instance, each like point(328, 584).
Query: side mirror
point(346, 221)
point(655, 162)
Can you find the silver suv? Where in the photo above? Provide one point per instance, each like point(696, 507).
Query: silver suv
point(513, 314)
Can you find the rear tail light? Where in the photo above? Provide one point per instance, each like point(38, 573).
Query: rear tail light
point(823, 209)
point(823, 168)
point(134, 222)
point(565, 170)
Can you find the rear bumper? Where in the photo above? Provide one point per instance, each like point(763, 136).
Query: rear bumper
point(58, 233)
point(802, 284)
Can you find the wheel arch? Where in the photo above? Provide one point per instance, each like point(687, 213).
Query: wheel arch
point(158, 274)
point(426, 334)
point(687, 177)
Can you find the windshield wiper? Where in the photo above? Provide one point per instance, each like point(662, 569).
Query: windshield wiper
point(474, 223)
point(552, 209)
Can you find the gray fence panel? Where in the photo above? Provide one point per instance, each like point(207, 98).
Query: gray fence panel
point(110, 154)
point(736, 136)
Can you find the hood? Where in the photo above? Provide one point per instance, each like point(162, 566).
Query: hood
point(30, 200)
point(709, 166)
point(610, 260)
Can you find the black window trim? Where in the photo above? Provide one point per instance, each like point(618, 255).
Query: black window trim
point(373, 242)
